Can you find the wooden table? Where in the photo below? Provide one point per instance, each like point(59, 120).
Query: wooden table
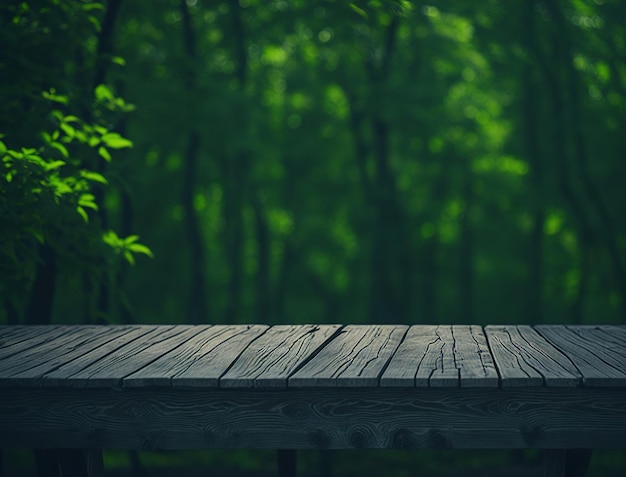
point(558, 388)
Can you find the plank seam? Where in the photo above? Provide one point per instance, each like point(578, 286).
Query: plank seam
point(87, 340)
point(315, 352)
point(232, 363)
point(493, 357)
point(112, 351)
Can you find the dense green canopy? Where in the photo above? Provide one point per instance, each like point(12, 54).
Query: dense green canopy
point(299, 161)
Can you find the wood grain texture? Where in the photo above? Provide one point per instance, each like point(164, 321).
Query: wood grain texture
point(207, 350)
point(81, 344)
point(341, 418)
point(357, 356)
point(216, 357)
point(111, 368)
point(473, 357)
point(17, 339)
point(273, 357)
point(525, 358)
point(596, 352)
point(64, 375)
point(442, 356)
point(54, 344)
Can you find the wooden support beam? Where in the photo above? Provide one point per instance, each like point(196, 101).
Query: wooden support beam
point(566, 462)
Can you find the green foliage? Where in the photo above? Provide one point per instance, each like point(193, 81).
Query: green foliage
point(52, 179)
point(127, 247)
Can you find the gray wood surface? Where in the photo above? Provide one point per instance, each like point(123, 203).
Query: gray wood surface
point(216, 356)
point(442, 356)
point(64, 375)
point(111, 368)
point(355, 357)
point(525, 358)
point(49, 345)
point(473, 357)
point(57, 356)
point(209, 351)
point(596, 353)
point(14, 340)
point(341, 418)
point(273, 357)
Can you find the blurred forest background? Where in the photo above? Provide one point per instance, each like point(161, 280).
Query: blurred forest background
point(298, 161)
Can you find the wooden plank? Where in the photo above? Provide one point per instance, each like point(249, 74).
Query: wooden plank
point(417, 358)
point(272, 358)
point(599, 363)
point(524, 358)
point(357, 356)
point(64, 375)
point(83, 343)
point(16, 339)
point(442, 356)
point(473, 357)
point(207, 342)
point(216, 356)
point(55, 344)
point(112, 368)
point(305, 418)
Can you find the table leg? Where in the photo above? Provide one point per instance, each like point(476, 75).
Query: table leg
point(287, 463)
point(80, 463)
point(47, 463)
point(566, 462)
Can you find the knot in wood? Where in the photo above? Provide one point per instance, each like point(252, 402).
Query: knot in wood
point(403, 439)
point(359, 438)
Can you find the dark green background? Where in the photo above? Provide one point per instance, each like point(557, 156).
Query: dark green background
point(320, 161)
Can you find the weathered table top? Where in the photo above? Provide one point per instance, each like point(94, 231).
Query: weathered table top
point(263, 356)
point(304, 386)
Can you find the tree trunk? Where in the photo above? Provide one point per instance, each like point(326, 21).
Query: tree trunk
point(39, 311)
point(197, 311)
point(550, 71)
point(466, 249)
point(263, 278)
point(534, 300)
point(580, 155)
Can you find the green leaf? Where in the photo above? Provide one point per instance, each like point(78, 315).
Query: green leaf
point(50, 166)
point(115, 141)
point(358, 10)
point(9, 175)
point(110, 238)
point(118, 60)
point(93, 141)
point(131, 239)
point(61, 148)
point(129, 257)
point(103, 93)
point(93, 176)
point(82, 213)
point(3, 148)
point(68, 130)
point(93, 6)
point(88, 200)
point(104, 153)
point(52, 96)
point(139, 248)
